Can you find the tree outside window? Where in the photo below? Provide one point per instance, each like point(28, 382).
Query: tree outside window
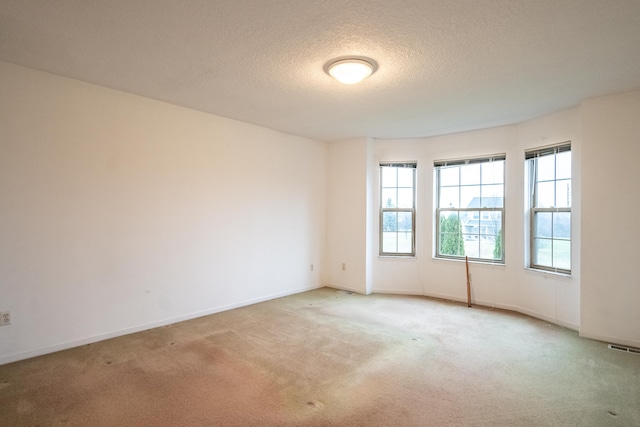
point(470, 208)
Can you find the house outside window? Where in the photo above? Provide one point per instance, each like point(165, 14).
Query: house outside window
point(397, 209)
point(549, 187)
point(470, 208)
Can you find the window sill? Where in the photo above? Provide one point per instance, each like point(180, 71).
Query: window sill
point(401, 257)
point(549, 273)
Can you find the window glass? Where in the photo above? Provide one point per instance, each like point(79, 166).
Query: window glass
point(389, 242)
point(562, 254)
point(405, 177)
point(397, 209)
point(469, 218)
point(543, 222)
point(389, 177)
point(451, 242)
point(562, 225)
point(546, 194)
point(492, 196)
point(450, 197)
point(563, 193)
point(493, 173)
point(563, 165)
point(546, 168)
point(405, 197)
point(389, 197)
point(470, 195)
point(550, 208)
point(542, 251)
point(450, 176)
point(470, 174)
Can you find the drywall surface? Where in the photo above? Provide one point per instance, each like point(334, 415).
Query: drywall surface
point(120, 213)
point(610, 232)
point(346, 266)
point(547, 296)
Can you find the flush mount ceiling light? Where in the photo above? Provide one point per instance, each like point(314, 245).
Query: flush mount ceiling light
point(351, 70)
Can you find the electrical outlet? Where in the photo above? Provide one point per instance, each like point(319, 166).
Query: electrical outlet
point(5, 318)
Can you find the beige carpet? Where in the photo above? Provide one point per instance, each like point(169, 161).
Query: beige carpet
point(327, 358)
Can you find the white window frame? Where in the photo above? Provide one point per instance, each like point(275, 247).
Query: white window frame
point(532, 157)
point(395, 209)
point(483, 211)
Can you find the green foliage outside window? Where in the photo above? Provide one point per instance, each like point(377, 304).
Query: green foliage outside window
point(451, 242)
point(497, 250)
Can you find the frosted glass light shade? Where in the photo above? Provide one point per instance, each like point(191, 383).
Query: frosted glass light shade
point(350, 71)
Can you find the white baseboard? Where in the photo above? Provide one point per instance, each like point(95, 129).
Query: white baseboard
point(610, 340)
point(517, 309)
point(101, 337)
point(549, 319)
point(396, 292)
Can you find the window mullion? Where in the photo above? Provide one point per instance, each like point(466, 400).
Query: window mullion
point(548, 253)
point(470, 208)
point(394, 238)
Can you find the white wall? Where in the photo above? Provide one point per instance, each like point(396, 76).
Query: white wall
point(547, 296)
point(347, 216)
point(119, 213)
point(610, 292)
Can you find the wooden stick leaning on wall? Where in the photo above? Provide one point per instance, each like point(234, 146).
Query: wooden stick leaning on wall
point(466, 260)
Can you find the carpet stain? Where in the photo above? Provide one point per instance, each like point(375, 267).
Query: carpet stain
point(315, 404)
point(295, 361)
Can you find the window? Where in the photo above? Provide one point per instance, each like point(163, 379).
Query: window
point(397, 209)
point(549, 185)
point(470, 208)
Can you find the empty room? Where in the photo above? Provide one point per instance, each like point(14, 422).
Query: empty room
point(328, 213)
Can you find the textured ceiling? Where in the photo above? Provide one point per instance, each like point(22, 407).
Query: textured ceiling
point(444, 65)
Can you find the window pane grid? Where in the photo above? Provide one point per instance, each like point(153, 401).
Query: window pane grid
point(550, 175)
point(397, 210)
point(469, 215)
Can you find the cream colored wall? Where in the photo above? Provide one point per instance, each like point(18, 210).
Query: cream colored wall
point(347, 215)
point(119, 213)
point(610, 290)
